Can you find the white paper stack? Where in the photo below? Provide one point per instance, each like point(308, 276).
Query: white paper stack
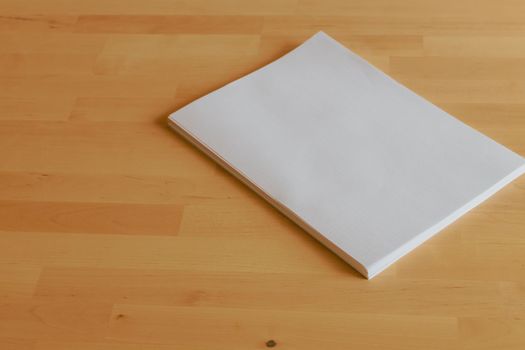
point(360, 162)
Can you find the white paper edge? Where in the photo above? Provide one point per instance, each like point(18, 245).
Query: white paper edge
point(431, 231)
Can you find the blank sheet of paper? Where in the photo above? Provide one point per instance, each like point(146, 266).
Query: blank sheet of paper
point(360, 162)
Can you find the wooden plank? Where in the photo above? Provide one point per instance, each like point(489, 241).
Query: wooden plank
point(136, 323)
point(276, 291)
point(73, 217)
point(297, 253)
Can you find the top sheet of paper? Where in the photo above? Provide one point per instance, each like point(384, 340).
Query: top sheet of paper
point(362, 163)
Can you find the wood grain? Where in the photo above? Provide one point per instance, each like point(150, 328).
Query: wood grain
point(117, 234)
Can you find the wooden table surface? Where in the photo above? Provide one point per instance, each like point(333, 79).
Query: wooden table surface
point(117, 234)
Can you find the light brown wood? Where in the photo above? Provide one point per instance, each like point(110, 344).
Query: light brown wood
point(115, 233)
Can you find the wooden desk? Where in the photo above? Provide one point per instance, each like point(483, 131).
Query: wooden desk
point(117, 234)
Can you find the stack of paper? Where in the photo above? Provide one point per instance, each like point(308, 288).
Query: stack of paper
point(360, 162)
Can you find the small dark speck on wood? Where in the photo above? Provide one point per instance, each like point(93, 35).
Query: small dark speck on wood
point(271, 343)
